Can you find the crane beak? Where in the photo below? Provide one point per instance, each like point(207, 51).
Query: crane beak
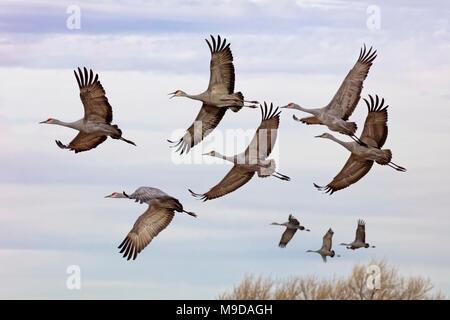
point(43, 122)
point(205, 154)
point(286, 106)
point(173, 94)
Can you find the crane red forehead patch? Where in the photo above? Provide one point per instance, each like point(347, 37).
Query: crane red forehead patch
point(49, 119)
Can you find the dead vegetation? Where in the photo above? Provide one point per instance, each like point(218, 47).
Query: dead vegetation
point(391, 286)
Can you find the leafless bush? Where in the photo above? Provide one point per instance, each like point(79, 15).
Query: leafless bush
point(392, 286)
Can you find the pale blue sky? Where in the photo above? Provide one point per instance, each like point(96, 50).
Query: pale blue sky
point(52, 210)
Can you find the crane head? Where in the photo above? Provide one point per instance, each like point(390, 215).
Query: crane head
point(177, 93)
point(112, 195)
point(49, 120)
point(211, 153)
point(324, 135)
point(289, 105)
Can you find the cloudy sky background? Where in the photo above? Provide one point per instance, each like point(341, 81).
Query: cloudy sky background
point(52, 210)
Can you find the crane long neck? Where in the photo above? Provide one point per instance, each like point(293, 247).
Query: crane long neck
point(74, 125)
point(221, 156)
point(342, 143)
point(199, 97)
point(121, 195)
point(312, 111)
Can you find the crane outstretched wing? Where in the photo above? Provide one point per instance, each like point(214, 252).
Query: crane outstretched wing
point(286, 237)
point(361, 232)
point(207, 119)
point(145, 194)
point(266, 135)
point(293, 220)
point(234, 179)
point(155, 198)
point(327, 240)
point(92, 94)
point(146, 227)
point(375, 129)
point(221, 66)
point(354, 169)
point(346, 98)
point(83, 142)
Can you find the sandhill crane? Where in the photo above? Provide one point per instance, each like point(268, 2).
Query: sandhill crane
point(219, 96)
point(95, 126)
point(340, 108)
point(253, 159)
point(362, 157)
point(360, 238)
point(327, 243)
point(156, 218)
point(291, 228)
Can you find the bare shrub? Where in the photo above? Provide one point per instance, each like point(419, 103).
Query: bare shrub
point(393, 286)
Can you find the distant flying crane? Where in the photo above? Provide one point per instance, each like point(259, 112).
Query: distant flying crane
point(326, 246)
point(360, 238)
point(217, 99)
point(337, 112)
point(96, 125)
point(253, 159)
point(291, 228)
point(362, 157)
point(159, 214)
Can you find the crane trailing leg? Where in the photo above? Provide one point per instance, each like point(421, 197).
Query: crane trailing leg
point(118, 135)
point(237, 101)
point(281, 176)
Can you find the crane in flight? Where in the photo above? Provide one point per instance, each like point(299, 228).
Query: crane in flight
point(292, 225)
point(252, 160)
point(95, 126)
point(344, 102)
point(160, 212)
point(327, 243)
point(360, 238)
point(363, 156)
point(217, 99)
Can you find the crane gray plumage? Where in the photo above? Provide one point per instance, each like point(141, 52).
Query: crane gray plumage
point(252, 160)
point(95, 126)
point(327, 243)
point(157, 217)
point(336, 113)
point(292, 225)
point(217, 99)
point(360, 237)
point(363, 156)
